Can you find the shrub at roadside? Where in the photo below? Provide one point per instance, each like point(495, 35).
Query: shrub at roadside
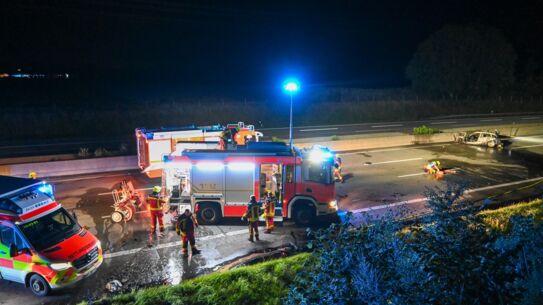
point(265, 283)
point(423, 130)
point(453, 257)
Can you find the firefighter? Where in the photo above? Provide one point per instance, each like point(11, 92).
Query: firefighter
point(251, 215)
point(269, 211)
point(154, 202)
point(433, 167)
point(185, 227)
point(337, 173)
point(33, 175)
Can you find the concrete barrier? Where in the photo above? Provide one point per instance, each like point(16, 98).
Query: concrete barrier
point(384, 140)
point(71, 167)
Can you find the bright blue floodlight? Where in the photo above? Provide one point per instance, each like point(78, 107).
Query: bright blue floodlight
point(291, 86)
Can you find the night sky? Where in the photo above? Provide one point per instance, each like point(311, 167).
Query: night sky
point(150, 48)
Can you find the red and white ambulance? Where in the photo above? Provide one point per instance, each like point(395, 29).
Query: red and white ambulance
point(41, 245)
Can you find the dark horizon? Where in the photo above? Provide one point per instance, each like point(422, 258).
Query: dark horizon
point(166, 48)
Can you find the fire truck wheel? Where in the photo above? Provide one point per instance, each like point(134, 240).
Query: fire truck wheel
point(117, 216)
point(303, 215)
point(209, 214)
point(38, 285)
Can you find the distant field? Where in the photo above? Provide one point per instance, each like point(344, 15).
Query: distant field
point(117, 119)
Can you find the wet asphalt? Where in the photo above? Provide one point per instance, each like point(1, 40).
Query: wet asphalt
point(374, 179)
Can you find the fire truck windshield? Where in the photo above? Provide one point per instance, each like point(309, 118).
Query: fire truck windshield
point(50, 229)
point(321, 172)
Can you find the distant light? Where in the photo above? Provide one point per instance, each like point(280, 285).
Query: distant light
point(210, 166)
point(241, 166)
point(291, 86)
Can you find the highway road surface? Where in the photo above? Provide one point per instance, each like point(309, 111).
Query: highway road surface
point(24, 148)
point(376, 180)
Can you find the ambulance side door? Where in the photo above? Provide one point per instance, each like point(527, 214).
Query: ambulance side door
point(8, 267)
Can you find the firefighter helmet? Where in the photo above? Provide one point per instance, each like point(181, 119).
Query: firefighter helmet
point(157, 189)
point(33, 175)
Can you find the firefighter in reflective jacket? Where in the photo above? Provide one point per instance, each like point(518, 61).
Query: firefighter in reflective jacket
point(251, 215)
point(433, 167)
point(185, 227)
point(269, 212)
point(154, 202)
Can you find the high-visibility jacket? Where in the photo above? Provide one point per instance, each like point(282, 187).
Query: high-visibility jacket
point(433, 166)
point(155, 203)
point(253, 210)
point(269, 208)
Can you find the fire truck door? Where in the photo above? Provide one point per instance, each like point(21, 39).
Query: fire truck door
point(288, 183)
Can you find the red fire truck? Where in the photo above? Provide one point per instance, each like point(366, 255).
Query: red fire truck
point(41, 245)
point(218, 183)
point(154, 144)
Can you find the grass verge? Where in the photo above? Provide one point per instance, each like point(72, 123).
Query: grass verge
point(499, 219)
point(263, 283)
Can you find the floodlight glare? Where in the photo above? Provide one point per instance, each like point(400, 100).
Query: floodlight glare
point(291, 86)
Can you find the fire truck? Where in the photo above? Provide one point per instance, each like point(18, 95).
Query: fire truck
point(41, 245)
point(217, 183)
point(154, 144)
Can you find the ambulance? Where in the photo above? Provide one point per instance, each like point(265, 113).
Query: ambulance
point(41, 245)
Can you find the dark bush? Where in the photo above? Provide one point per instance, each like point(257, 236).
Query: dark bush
point(449, 257)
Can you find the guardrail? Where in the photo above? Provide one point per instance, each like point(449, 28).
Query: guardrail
point(71, 167)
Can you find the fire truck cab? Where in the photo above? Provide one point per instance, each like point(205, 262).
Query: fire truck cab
point(41, 245)
point(217, 184)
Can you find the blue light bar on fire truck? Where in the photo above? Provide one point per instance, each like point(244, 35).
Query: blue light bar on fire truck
point(319, 154)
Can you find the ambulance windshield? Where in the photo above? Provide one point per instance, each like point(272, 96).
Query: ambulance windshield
point(50, 229)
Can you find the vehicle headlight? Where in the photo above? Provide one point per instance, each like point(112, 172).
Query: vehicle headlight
point(332, 204)
point(60, 266)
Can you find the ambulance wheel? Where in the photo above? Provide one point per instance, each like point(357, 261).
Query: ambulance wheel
point(38, 285)
point(209, 214)
point(491, 144)
point(303, 215)
point(117, 216)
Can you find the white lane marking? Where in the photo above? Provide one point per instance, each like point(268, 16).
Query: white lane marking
point(491, 120)
point(411, 175)
point(527, 146)
point(531, 118)
point(417, 200)
point(386, 206)
point(502, 185)
point(444, 122)
point(319, 129)
point(383, 126)
point(371, 130)
point(172, 244)
point(392, 149)
point(395, 161)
